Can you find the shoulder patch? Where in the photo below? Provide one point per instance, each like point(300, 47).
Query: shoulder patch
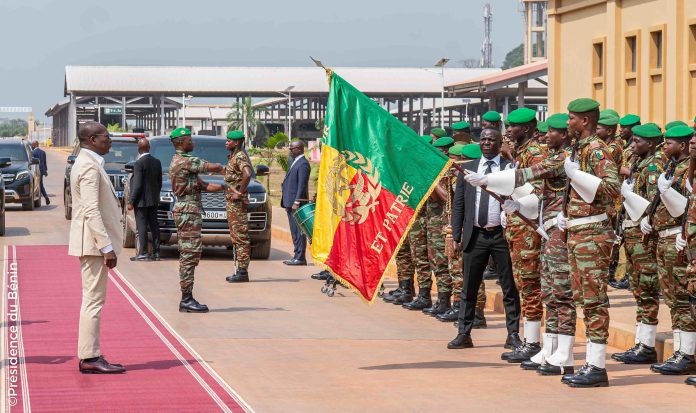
point(599, 154)
point(652, 167)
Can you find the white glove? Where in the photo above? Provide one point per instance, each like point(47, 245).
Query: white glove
point(503, 219)
point(689, 188)
point(645, 226)
point(680, 243)
point(570, 167)
point(561, 221)
point(511, 206)
point(476, 179)
point(626, 188)
point(663, 184)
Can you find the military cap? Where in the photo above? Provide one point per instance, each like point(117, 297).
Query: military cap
point(558, 121)
point(460, 125)
point(679, 132)
point(611, 112)
point(491, 116)
point(456, 149)
point(472, 150)
point(629, 120)
point(655, 125)
point(234, 135)
point(427, 139)
point(522, 115)
point(648, 131)
point(583, 105)
point(443, 141)
point(439, 132)
point(608, 119)
point(179, 132)
point(675, 123)
point(542, 127)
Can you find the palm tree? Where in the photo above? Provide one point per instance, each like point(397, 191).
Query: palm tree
point(245, 116)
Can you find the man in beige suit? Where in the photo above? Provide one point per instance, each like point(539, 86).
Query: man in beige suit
point(96, 238)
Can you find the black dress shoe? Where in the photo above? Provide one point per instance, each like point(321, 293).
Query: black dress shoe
point(641, 355)
point(48, 201)
point(513, 341)
point(546, 369)
point(529, 365)
point(295, 262)
point(590, 377)
point(141, 257)
point(189, 304)
point(461, 341)
point(156, 256)
point(100, 366)
point(523, 353)
point(678, 364)
point(241, 276)
point(323, 275)
point(691, 381)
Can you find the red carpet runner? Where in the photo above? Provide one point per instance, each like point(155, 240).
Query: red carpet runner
point(41, 299)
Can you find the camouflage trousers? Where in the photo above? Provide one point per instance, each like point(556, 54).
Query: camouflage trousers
point(404, 262)
point(437, 220)
point(556, 285)
point(674, 284)
point(188, 227)
point(525, 249)
point(455, 268)
point(643, 274)
point(589, 249)
point(418, 241)
point(239, 231)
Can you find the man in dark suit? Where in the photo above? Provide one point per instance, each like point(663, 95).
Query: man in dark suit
point(146, 184)
point(295, 194)
point(39, 154)
point(477, 230)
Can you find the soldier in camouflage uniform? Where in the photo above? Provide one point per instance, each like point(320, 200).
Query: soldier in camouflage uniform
point(187, 187)
point(688, 241)
point(237, 177)
point(638, 191)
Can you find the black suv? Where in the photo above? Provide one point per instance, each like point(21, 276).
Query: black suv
point(21, 179)
point(4, 163)
point(216, 231)
point(123, 150)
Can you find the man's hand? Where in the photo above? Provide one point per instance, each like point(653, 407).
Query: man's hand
point(476, 179)
point(562, 221)
point(110, 259)
point(626, 188)
point(570, 167)
point(456, 247)
point(295, 205)
point(663, 184)
point(214, 167)
point(510, 206)
point(645, 226)
point(503, 219)
point(680, 243)
point(129, 207)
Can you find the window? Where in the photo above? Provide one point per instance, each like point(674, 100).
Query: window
point(631, 54)
point(656, 49)
point(598, 60)
point(692, 44)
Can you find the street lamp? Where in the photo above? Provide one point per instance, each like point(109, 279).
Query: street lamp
point(441, 64)
point(288, 90)
point(184, 99)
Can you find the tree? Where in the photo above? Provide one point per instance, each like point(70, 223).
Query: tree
point(115, 127)
point(245, 109)
point(514, 58)
point(14, 127)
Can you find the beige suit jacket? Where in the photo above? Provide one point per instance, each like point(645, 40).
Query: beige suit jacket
point(96, 216)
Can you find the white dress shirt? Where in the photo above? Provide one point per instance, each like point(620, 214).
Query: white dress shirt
point(143, 154)
point(100, 161)
point(493, 204)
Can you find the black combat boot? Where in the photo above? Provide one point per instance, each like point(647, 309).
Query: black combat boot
point(392, 295)
point(479, 319)
point(521, 354)
point(621, 284)
point(461, 341)
point(422, 301)
point(189, 304)
point(691, 381)
point(450, 315)
point(407, 296)
point(441, 306)
point(548, 369)
point(589, 377)
point(568, 374)
point(680, 363)
point(620, 356)
point(641, 354)
point(241, 276)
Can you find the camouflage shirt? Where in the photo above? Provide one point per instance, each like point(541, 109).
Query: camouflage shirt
point(663, 219)
point(553, 189)
point(616, 146)
point(527, 154)
point(183, 172)
point(236, 163)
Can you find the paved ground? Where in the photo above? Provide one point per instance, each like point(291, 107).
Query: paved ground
point(285, 347)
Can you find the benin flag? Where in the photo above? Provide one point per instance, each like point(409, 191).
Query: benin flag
point(375, 174)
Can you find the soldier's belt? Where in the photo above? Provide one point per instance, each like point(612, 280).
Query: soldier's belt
point(587, 220)
point(550, 224)
point(669, 232)
point(187, 198)
point(627, 223)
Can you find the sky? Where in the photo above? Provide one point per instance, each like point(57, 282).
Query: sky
point(41, 37)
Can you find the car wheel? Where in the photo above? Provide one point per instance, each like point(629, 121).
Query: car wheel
point(2, 223)
point(128, 234)
point(37, 201)
point(261, 251)
point(68, 208)
point(29, 204)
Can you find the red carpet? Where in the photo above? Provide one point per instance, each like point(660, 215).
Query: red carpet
point(40, 344)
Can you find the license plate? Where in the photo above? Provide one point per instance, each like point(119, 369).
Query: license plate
point(215, 215)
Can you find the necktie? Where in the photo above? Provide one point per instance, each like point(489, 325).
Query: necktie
point(483, 200)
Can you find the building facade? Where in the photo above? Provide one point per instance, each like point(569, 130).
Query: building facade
point(635, 56)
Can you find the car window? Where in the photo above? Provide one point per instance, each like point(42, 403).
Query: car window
point(212, 150)
point(122, 152)
point(17, 153)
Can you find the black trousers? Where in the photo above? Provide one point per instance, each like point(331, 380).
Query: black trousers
point(299, 241)
point(43, 189)
point(483, 245)
point(146, 218)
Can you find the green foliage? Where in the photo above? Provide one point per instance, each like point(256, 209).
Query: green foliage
point(115, 127)
point(283, 161)
point(314, 173)
point(14, 127)
point(253, 151)
point(276, 140)
point(245, 109)
point(514, 58)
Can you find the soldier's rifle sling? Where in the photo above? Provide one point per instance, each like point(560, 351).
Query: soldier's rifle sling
point(669, 171)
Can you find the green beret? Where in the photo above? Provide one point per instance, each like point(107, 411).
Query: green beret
point(610, 112)
point(679, 132)
point(460, 125)
point(179, 132)
point(491, 116)
point(675, 123)
point(583, 105)
point(542, 127)
point(655, 125)
point(439, 132)
point(521, 115)
point(648, 131)
point(443, 141)
point(558, 121)
point(629, 120)
point(456, 149)
point(427, 139)
point(608, 119)
point(507, 122)
point(235, 135)
point(472, 150)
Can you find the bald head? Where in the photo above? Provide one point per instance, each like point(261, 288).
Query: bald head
point(89, 129)
point(143, 146)
point(35, 144)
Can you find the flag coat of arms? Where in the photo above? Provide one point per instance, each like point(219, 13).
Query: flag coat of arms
point(375, 174)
